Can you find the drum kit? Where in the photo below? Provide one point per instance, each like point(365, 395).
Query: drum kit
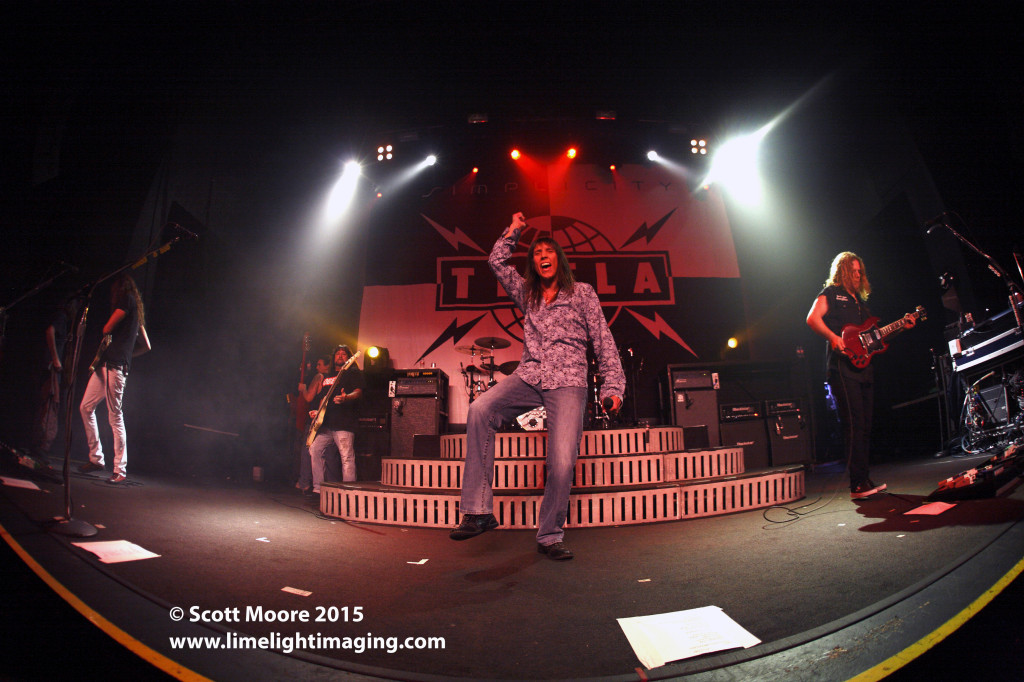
point(480, 377)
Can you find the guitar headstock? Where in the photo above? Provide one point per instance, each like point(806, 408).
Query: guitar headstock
point(307, 342)
point(921, 313)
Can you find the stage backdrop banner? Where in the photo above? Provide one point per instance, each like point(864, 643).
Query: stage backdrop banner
point(659, 258)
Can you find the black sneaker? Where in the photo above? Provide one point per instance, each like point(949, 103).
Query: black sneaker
point(89, 467)
point(556, 551)
point(866, 489)
point(473, 525)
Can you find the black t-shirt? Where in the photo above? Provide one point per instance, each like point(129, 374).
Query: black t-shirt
point(343, 417)
point(843, 310)
point(122, 345)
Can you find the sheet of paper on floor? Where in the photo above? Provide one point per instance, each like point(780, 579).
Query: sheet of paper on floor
point(931, 509)
point(665, 637)
point(19, 483)
point(116, 551)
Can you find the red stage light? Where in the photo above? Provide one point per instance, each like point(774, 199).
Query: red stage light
point(611, 167)
point(516, 154)
point(571, 153)
point(475, 169)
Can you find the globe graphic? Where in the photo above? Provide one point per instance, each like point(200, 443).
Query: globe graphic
point(574, 236)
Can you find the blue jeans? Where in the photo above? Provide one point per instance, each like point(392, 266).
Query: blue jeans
point(502, 403)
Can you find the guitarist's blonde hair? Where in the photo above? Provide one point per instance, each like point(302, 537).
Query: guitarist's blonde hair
point(839, 274)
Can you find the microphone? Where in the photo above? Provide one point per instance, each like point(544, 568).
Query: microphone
point(188, 234)
point(934, 227)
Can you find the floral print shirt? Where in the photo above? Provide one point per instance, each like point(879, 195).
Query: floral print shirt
point(555, 335)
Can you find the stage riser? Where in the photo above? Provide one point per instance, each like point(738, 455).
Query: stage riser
point(593, 443)
point(628, 507)
point(589, 472)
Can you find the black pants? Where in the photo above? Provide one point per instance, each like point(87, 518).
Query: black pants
point(853, 390)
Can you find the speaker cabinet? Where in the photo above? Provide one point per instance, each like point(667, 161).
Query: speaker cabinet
point(789, 438)
point(413, 416)
point(751, 435)
point(698, 407)
point(693, 401)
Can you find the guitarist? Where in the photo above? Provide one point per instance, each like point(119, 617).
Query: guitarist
point(842, 302)
point(126, 330)
point(340, 420)
point(307, 394)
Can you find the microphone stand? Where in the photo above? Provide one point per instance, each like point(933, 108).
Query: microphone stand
point(68, 525)
point(1015, 296)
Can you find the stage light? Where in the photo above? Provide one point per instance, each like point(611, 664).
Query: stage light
point(385, 152)
point(516, 154)
point(699, 146)
point(377, 359)
point(476, 169)
point(652, 155)
point(732, 342)
point(734, 166)
point(431, 160)
point(611, 167)
point(571, 153)
point(342, 193)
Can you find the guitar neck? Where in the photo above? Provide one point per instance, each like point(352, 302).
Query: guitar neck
point(895, 327)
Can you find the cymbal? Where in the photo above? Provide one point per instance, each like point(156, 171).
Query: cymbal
point(493, 342)
point(472, 350)
point(507, 368)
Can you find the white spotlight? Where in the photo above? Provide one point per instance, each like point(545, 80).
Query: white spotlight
point(652, 155)
point(734, 166)
point(342, 192)
point(431, 160)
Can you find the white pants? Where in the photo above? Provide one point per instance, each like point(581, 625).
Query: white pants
point(106, 384)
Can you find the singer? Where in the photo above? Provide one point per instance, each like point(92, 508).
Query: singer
point(561, 318)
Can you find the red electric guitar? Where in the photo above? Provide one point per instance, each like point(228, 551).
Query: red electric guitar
point(863, 341)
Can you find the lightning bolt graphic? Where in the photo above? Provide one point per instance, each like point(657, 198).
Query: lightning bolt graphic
point(453, 237)
point(649, 232)
point(657, 326)
point(453, 332)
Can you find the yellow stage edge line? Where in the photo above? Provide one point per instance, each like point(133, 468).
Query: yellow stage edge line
point(923, 645)
point(151, 656)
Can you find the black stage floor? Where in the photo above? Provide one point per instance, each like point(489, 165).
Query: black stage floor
point(836, 590)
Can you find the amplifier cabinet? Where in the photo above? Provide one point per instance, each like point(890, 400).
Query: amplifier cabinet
point(415, 415)
point(693, 400)
point(743, 426)
point(789, 438)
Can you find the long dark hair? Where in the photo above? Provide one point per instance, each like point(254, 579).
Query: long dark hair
point(126, 285)
point(534, 284)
